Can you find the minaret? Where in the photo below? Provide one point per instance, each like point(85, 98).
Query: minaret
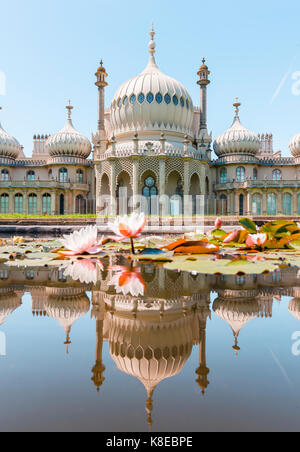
point(149, 408)
point(203, 370)
point(204, 138)
point(101, 83)
point(203, 82)
point(99, 368)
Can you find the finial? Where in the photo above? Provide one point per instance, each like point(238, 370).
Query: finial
point(237, 105)
point(152, 44)
point(149, 408)
point(203, 61)
point(68, 342)
point(69, 108)
point(236, 347)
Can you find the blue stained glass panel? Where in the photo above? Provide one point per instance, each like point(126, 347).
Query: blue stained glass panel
point(150, 98)
point(141, 98)
point(159, 98)
point(167, 99)
point(133, 99)
point(182, 102)
point(175, 100)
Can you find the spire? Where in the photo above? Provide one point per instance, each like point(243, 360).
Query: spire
point(69, 108)
point(149, 408)
point(237, 105)
point(236, 346)
point(152, 46)
point(68, 340)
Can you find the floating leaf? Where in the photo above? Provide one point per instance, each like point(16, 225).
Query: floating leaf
point(210, 266)
point(249, 225)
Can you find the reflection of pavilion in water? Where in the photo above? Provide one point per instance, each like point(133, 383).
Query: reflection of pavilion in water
point(151, 337)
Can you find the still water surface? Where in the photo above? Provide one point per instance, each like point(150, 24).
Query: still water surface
point(193, 353)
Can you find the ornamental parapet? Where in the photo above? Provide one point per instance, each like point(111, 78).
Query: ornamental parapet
point(152, 149)
point(258, 184)
point(38, 184)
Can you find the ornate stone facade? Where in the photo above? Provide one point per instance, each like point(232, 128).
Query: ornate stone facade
point(152, 143)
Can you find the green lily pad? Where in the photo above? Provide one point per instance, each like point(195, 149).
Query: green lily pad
point(211, 266)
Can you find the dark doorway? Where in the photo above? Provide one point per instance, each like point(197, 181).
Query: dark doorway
point(62, 205)
point(241, 205)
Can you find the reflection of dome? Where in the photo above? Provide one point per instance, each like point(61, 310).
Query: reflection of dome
point(67, 308)
point(236, 313)
point(294, 308)
point(9, 302)
point(152, 101)
point(68, 142)
point(9, 146)
point(295, 145)
point(151, 351)
point(237, 139)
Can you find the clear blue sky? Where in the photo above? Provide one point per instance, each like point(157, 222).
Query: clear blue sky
point(50, 50)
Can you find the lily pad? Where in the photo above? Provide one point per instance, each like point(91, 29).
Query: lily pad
point(211, 266)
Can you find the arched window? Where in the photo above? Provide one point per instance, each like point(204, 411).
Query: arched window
point(287, 204)
point(63, 175)
point(149, 187)
point(32, 204)
point(240, 174)
point(79, 176)
point(62, 204)
point(255, 174)
point(50, 174)
point(4, 205)
point(31, 175)
point(256, 204)
point(223, 176)
point(19, 203)
point(277, 174)
point(4, 174)
point(46, 202)
point(272, 204)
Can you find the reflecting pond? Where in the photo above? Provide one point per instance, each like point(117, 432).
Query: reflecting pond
point(110, 347)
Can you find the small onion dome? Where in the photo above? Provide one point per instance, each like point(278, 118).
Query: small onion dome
point(9, 146)
point(237, 314)
point(295, 146)
point(68, 142)
point(237, 139)
point(152, 101)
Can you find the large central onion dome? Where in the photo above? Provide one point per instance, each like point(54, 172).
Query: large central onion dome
point(152, 101)
point(68, 142)
point(237, 139)
point(9, 146)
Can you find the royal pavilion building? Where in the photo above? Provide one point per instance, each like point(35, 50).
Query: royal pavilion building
point(153, 146)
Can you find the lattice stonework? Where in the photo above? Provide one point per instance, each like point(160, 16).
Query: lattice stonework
point(124, 165)
point(149, 164)
point(175, 164)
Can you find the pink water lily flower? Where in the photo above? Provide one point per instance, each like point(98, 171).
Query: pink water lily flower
point(256, 240)
point(128, 281)
point(83, 241)
point(232, 237)
point(128, 227)
point(218, 223)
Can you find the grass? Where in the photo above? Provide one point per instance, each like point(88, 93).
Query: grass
point(35, 217)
